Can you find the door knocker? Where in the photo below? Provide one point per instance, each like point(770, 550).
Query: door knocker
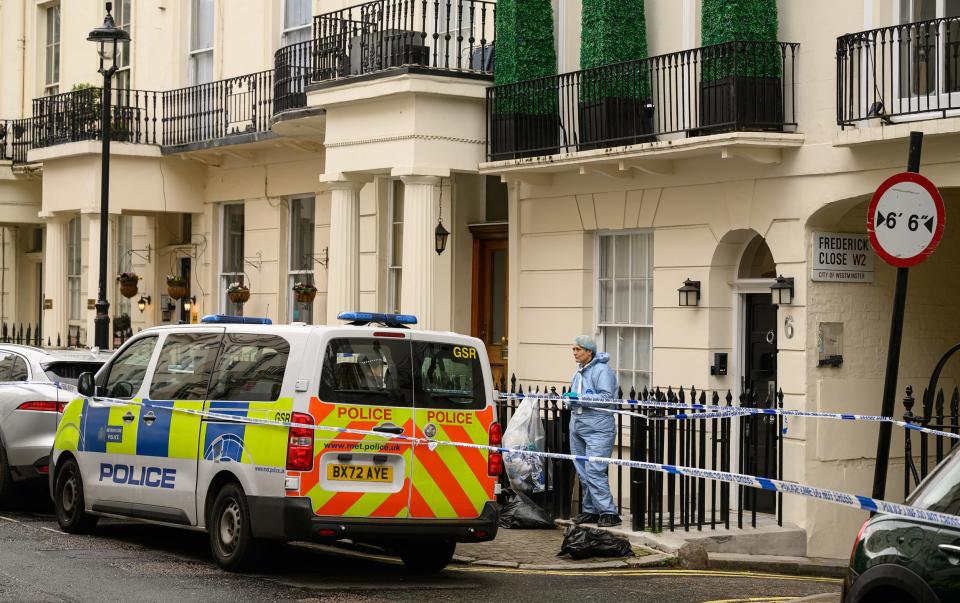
point(771, 336)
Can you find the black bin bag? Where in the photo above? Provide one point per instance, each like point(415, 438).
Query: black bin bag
point(518, 511)
point(581, 543)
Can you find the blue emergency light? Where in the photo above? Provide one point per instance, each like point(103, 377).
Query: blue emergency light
point(362, 318)
point(226, 319)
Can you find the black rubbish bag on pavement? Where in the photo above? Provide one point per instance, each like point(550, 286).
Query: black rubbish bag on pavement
point(518, 511)
point(581, 543)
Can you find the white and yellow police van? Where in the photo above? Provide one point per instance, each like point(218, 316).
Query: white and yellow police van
point(213, 427)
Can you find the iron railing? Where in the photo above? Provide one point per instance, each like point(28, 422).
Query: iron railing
point(903, 70)
point(370, 37)
point(655, 501)
point(74, 116)
point(11, 333)
point(736, 86)
point(238, 105)
point(292, 72)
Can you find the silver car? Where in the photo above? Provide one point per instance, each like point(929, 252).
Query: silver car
point(35, 385)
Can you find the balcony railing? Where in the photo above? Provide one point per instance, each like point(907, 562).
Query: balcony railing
point(438, 34)
point(239, 105)
point(737, 86)
point(910, 71)
point(292, 72)
point(75, 116)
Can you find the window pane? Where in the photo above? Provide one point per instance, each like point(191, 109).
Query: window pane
point(301, 233)
point(185, 365)
point(250, 368)
point(448, 376)
point(610, 340)
point(397, 244)
point(201, 70)
point(606, 301)
point(296, 12)
point(622, 302)
point(626, 349)
point(638, 302)
point(202, 24)
point(233, 238)
point(621, 262)
point(606, 257)
point(638, 247)
point(941, 489)
point(129, 369)
point(951, 9)
point(643, 349)
point(367, 371)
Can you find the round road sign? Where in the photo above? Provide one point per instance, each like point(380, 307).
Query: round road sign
point(905, 219)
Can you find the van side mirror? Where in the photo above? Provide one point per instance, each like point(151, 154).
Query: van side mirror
point(86, 386)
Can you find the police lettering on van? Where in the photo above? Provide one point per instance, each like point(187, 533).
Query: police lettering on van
point(197, 425)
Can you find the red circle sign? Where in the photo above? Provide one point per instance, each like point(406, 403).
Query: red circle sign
point(905, 219)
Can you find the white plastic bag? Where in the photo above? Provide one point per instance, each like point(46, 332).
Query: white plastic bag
point(525, 432)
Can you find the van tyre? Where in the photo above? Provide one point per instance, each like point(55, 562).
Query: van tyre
point(68, 501)
point(6, 481)
point(231, 541)
point(427, 557)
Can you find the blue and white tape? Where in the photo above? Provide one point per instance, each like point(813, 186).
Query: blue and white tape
point(734, 411)
point(864, 503)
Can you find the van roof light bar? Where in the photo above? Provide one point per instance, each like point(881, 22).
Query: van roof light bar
point(360, 319)
point(225, 319)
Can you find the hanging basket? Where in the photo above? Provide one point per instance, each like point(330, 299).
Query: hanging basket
point(305, 296)
point(239, 296)
point(176, 291)
point(128, 286)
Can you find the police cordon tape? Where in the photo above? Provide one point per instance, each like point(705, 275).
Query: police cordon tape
point(729, 411)
point(864, 503)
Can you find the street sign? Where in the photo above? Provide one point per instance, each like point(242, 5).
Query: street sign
point(905, 219)
point(841, 257)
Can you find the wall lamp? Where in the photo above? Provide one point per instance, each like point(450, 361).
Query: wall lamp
point(689, 293)
point(781, 292)
point(143, 302)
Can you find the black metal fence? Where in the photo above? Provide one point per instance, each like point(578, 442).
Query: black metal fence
point(377, 35)
point(237, 105)
point(75, 116)
point(736, 86)
point(654, 500)
point(911, 69)
point(935, 414)
point(292, 72)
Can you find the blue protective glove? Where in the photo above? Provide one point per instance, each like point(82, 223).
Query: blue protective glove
point(571, 395)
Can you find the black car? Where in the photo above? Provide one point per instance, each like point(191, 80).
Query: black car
point(900, 560)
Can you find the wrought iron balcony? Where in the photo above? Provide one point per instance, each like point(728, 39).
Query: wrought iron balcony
point(238, 105)
point(75, 116)
point(16, 138)
point(909, 71)
point(737, 86)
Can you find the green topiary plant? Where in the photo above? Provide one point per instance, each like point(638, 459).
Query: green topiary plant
point(723, 21)
point(525, 51)
point(614, 31)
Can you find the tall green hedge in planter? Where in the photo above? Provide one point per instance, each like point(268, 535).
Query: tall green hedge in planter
point(524, 120)
point(741, 67)
point(615, 105)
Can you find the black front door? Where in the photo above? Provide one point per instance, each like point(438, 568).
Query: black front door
point(759, 391)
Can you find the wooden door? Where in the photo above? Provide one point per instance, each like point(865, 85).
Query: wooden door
point(491, 299)
point(760, 388)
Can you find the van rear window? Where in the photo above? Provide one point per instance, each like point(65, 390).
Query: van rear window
point(367, 371)
point(396, 373)
point(448, 376)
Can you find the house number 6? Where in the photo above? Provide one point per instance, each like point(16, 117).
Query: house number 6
point(788, 327)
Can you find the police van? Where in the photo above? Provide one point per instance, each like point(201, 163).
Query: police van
point(239, 427)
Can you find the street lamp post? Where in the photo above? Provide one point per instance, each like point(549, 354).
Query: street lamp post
point(108, 38)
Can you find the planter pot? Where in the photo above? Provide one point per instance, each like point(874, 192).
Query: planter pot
point(176, 291)
point(305, 297)
point(240, 296)
point(128, 288)
point(516, 135)
point(739, 103)
point(609, 122)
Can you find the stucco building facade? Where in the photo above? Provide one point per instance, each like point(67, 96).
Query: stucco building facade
point(251, 152)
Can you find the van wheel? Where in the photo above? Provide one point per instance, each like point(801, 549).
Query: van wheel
point(68, 501)
point(231, 542)
point(427, 557)
point(6, 481)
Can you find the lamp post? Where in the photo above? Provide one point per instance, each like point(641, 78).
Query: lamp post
point(108, 38)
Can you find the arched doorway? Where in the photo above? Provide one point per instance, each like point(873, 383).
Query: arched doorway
point(757, 362)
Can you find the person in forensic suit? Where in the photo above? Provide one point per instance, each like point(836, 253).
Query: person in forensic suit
point(592, 430)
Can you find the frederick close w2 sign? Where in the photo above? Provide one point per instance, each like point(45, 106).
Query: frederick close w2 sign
point(841, 257)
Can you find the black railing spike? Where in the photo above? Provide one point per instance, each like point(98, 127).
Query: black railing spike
point(619, 393)
point(513, 383)
point(908, 402)
point(780, 398)
point(729, 398)
point(553, 391)
point(681, 395)
point(633, 393)
point(703, 397)
point(693, 393)
point(48, 341)
point(715, 398)
point(955, 402)
point(59, 345)
point(670, 394)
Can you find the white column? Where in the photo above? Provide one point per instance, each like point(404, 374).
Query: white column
point(55, 281)
point(419, 251)
point(343, 270)
point(92, 276)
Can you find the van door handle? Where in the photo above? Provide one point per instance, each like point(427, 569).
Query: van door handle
point(389, 428)
point(951, 550)
point(149, 418)
point(128, 418)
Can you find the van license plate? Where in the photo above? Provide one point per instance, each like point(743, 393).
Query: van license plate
point(359, 473)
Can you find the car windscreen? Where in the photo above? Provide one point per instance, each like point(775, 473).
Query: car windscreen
point(69, 372)
point(940, 491)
